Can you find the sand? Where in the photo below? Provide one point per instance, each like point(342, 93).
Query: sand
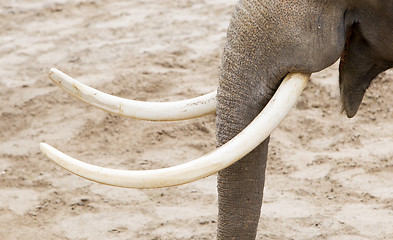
point(328, 177)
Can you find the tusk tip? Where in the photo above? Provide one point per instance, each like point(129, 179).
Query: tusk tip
point(44, 147)
point(53, 70)
point(53, 73)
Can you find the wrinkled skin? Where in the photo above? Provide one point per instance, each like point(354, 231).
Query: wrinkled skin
point(265, 41)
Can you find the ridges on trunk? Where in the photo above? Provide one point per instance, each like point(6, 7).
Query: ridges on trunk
point(240, 186)
point(243, 92)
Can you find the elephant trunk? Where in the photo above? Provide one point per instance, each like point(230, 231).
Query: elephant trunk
point(240, 189)
point(247, 82)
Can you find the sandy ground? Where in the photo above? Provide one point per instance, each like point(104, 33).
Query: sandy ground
point(328, 177)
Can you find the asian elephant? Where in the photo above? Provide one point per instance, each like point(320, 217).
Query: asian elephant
point(266, 40)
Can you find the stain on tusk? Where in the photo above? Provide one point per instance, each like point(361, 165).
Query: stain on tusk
point(255, 133)
point(153, 111)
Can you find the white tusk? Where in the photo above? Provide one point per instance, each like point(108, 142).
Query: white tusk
point(257, 131)
point(155, 111)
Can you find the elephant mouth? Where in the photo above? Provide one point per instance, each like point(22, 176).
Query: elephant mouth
point(351, 100)
point(254, 134)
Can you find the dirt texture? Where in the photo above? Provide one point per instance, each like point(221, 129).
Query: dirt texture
point(328, 177)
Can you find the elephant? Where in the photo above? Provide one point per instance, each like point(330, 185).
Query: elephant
point(269, 44)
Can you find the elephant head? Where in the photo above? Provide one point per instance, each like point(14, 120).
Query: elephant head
point(272, 47)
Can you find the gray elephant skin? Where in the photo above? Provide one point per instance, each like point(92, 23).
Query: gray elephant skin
point(265, 41)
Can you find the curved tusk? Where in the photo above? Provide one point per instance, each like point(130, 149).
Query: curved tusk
point(155, 111)
point(257, 131)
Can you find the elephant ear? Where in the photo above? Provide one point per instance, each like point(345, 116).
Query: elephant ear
point(359, 65)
